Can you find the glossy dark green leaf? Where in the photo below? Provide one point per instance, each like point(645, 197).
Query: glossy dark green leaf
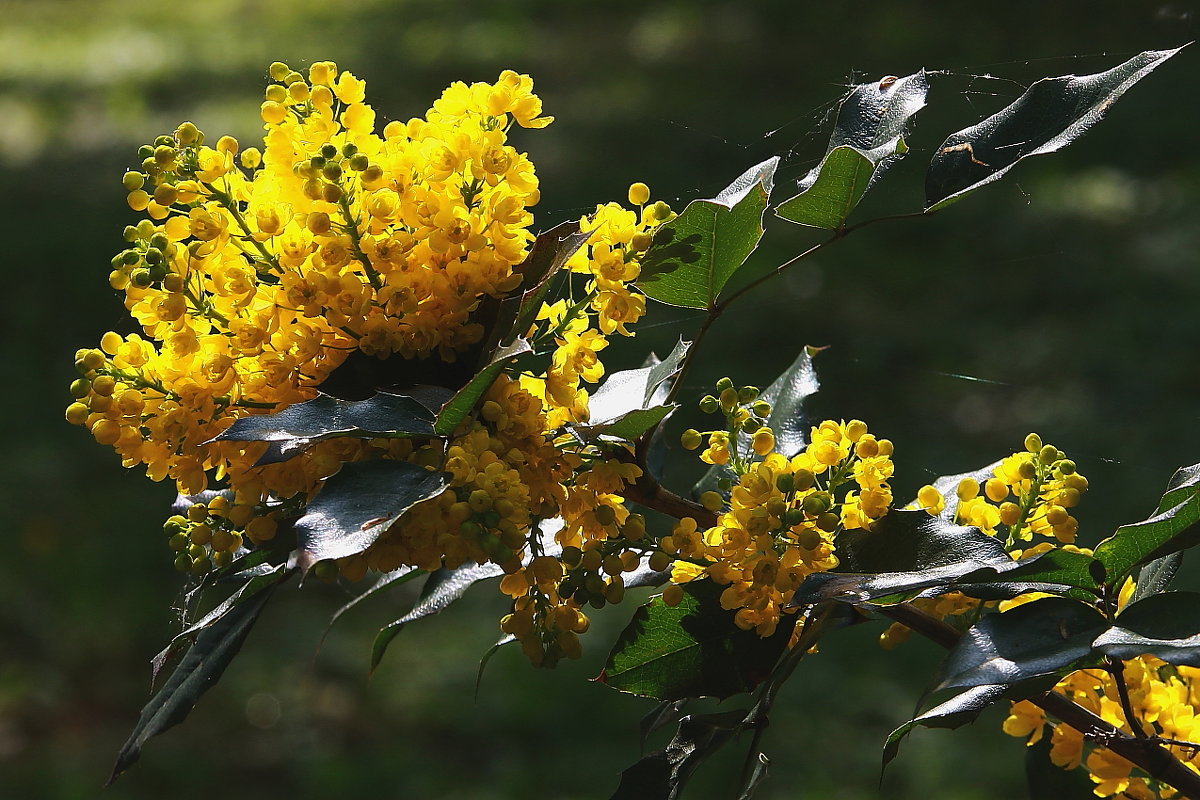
point(662, 775)
point(441, 589)
point(1050, 115)
point(906, 551)
point(384, 416)
point(691, 650)
point(1038, 638)
point(786, 394)
point(630, 402)
point(357, 504)
point(867, 140)
point(1172, 528)
point(1048, 781)
point(463, 402)
point(694, 255)
point(253, 582)
point(1061, 568)
point(445, 586)
point(1165, 625)
point(1156, 576)
point(394, 578)
point(201, 666)
point(550, 251)
point(507, 638)
point(959, 710)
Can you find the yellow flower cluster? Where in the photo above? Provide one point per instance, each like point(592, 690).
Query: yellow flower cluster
point(783, 514)
point(1029, 493)
point(259, 271)
point(1164, 699)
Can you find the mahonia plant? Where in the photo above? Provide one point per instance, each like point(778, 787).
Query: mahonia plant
point(355, 356)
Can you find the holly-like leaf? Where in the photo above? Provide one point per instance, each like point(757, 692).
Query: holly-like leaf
point(396, 577)
point(959, 710)
point(787, 420)
point(630, 402)
point(384, 416)
point(463, 402)
point(905, 551)
point(691, 650)
point(694, 255)
point(1172, 528)
point(550, 251)
point(440, 590)
point(1166, 625)
point(867, 140)
point(445, 586)
point(1156, 576)
point(201, 666)
point(357, 504)
point(1054, 570)
point(1050, 115)
point(253, 582)
point(662, 775)
point(1042, 637)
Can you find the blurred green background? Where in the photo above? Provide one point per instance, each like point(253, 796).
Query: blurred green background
point(1066, 294)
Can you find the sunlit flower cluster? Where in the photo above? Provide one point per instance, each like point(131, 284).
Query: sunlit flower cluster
point(780, 521)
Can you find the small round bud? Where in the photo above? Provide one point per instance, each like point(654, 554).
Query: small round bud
point(331, 192)
point(1048, 454)
point(133, 181)
point(747, 394)
point(81, 387)
point(803, 479)
point(785, 482)
point(828, 521)
point(1065, 467)
point(605, 515)
point(1033, 443)
point(318, 223)
point(659, 561)
point(639, 193)
point(809, 539)
point(571, 556)
point(278, 70)
point(709, 404)
point(817, 504)
point(691, 439)
point(712, 501)
point(661, 211)
point(640, 242)
point(1027, 470)
point(723, 384)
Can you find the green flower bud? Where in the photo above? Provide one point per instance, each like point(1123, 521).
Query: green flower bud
point(132, 181)
point(329, 150)
point(747, 394)
point(1033, 443)
point(709, 404)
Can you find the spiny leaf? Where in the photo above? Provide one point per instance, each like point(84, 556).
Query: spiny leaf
point(445, 586)
point(866, 141)
point(1042, 637)
point(1165, 625)
point(691, 650)
point(200, 668)
point(662, 775)
point(550, 251)
point(393, 578)
point(464, 400)
point(629, 402)
point(694, 255)
point(787, 420)
point(357, 504)
point(957, 711)
point(1050, 115)
point(1172, 528)
point(254, 582)
point(297, 427)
